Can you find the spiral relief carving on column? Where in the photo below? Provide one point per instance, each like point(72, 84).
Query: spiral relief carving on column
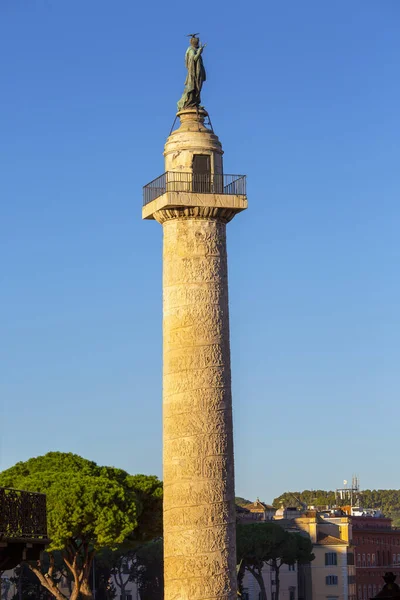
point(199, 518)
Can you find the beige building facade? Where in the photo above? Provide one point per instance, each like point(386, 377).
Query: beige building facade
point(333, 570)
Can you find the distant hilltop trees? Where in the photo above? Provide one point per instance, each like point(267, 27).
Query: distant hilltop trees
point(242, 501)
point(388, 501)
point(309, 497)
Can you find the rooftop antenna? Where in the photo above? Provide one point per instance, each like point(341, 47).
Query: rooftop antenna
point(348, 494)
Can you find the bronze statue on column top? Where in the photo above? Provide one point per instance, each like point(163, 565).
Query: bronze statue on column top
point(196, 74)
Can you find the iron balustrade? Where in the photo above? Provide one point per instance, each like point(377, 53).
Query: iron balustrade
point(202, 183)
point(22, 515)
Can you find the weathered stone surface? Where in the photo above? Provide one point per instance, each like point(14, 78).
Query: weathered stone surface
point(182, 204)
point(199, 507)
point(199, 516)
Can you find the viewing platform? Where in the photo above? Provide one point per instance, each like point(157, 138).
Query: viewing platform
point(175, 189)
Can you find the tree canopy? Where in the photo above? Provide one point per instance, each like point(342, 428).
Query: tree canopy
point(89, 507)
point(242, 501)
point(268, 543)
point(147, 570)
point(309, 497)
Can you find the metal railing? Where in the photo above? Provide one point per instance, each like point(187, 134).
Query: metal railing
point(202, 183)
point(22, 515)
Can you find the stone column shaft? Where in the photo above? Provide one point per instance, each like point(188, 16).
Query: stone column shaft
point(199, 509)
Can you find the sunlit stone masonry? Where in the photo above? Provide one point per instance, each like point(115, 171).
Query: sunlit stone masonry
point(194, 200)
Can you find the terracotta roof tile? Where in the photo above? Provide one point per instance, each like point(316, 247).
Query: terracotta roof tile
point(258, 505)
point(330, 540)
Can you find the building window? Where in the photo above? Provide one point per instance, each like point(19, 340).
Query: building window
point(330, 558)
point(365, 593)
point(374, 592)
point(245, 594)
point(363, 560)
point(368, 560)
point(360, 592)
point(292, 593)
point(358, 560)
point(370, 591)
point(292, 567)
point(331, 580)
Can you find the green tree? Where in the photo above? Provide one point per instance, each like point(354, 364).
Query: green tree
point(241, 501)
point(27, 585)
point(269, 543)
point(101, 577)
point(116, 564)
point(309, 497)
point(89, 508)
point(252, 548)
point(289, 549)
point(147, 570)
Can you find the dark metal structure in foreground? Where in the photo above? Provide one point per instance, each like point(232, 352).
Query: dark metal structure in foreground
point(390, 589)
point(23, 526)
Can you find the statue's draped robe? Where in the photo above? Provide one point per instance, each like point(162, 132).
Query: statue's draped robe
point(196, 75)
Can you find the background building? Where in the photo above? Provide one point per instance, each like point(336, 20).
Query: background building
point(332, 570)
point(260, 511)
point(288, 584)
point(377, 550)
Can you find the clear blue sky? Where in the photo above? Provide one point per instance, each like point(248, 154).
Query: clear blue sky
point(305, 98)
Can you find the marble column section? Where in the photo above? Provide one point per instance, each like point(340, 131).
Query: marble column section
point(199, 508)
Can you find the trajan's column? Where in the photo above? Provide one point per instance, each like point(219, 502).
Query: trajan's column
point(194, 200)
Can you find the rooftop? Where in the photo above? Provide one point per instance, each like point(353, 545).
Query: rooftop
point(259, 506)
point(330, 540)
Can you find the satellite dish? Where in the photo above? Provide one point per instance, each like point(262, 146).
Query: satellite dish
point(345, 482)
